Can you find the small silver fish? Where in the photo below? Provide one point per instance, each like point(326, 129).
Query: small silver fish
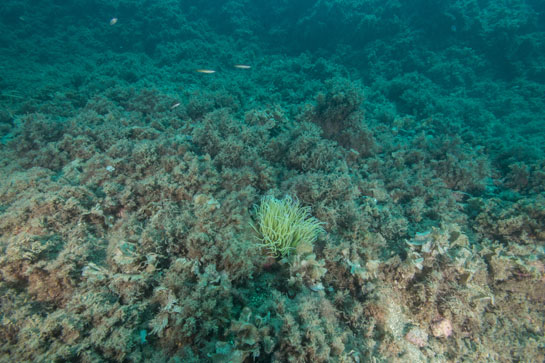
point(207, 71)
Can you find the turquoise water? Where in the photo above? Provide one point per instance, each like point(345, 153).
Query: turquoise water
point(139, 141)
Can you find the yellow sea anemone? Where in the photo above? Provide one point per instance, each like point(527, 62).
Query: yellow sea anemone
point(282, 224)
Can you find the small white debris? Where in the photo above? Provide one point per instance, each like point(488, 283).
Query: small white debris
point(316, 287)
point(441, 328)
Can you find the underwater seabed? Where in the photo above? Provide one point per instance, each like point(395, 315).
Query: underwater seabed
point(236, 182)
